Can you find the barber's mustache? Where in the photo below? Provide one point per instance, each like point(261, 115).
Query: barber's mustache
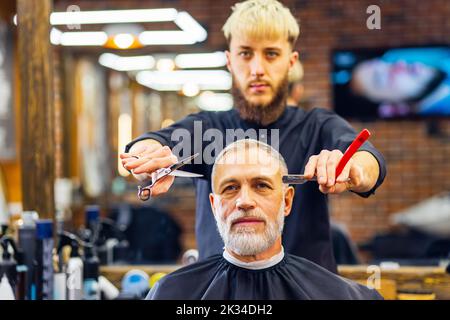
point(258, 82)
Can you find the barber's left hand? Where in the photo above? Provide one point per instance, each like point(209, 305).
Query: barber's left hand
point(324, 166)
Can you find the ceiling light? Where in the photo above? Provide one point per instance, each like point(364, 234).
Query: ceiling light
point(119, 63)
point(55, 36)
point(211, 101)
point(174, 80)
point(166, 37)
point(113, 16)
point(97, 38)
point(123, 40)
point(201, 60)
point(188, 24)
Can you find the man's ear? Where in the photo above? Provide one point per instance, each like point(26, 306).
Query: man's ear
point(211, 201)
point(228, 54)
point(288, 199)
point(293, 58)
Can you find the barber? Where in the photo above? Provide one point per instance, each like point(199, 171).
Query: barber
point(261, 36)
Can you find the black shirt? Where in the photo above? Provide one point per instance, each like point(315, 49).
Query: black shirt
point(293, 278)
point(301, 134)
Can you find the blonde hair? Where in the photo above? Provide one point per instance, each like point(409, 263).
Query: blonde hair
point(262, 18)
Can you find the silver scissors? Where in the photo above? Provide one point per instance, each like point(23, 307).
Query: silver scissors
point(145, 191)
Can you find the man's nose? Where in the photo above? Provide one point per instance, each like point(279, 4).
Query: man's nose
point(257, 66)
point(245, 200)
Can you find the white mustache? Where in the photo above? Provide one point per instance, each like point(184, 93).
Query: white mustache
point(255, 213)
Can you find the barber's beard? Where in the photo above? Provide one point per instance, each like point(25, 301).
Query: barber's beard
point(263, 114)
point(246, 241)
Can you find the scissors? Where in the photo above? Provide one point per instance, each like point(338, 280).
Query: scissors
point(356, 144)
point(145, 191)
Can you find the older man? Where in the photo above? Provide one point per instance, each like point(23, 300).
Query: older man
point(250, 202)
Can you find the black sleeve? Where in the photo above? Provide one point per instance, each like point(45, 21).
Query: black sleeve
point(337, 133)
point(183, 137)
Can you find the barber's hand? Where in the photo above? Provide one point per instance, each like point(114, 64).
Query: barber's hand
point(144, 160)
point(324, 166)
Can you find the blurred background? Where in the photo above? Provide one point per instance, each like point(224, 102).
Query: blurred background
point(108, 77)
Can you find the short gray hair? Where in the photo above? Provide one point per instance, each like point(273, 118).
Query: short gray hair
point(247, 144)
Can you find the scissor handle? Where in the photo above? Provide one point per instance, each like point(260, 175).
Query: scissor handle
point(156, 176)
point(141, 195)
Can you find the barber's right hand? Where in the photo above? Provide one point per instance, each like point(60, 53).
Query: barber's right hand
point(143, 161)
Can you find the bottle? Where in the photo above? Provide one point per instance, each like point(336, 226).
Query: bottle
point(16, 271)
point(74, 271)
point(22, 271)
point(60, 276)
point(90, 274)
point(27, 243)
point(44, 260)
point(7, 264)
point(6, 291)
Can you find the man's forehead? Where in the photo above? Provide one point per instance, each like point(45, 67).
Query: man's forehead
point(249, 160)
point(257, 42)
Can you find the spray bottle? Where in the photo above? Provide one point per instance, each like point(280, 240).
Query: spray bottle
point(74, 268)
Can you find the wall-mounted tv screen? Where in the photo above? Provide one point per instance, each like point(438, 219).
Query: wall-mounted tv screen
point(407, 82)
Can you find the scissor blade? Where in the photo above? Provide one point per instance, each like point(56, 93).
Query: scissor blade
point(183, 162)
point(296, 179)
point(186, 174)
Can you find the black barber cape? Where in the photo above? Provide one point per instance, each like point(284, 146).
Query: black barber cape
point(301, 134)
point(292, 278)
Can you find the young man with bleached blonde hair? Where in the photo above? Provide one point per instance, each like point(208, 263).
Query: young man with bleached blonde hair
point(261, 36)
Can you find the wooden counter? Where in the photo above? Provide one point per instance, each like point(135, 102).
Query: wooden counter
point(392, 282)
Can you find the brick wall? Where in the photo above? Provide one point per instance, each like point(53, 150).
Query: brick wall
point(417, 163)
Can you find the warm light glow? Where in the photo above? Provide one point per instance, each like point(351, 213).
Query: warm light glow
point(201, 60)
point(123, 40)
point(165, 64)
point(119, 63)
point(124, 136)
point(113, 16)
point(190, 89)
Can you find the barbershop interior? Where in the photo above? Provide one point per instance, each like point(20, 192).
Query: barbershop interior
point(81, 79)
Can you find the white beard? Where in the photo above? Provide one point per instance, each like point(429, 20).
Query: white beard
point(245, 241)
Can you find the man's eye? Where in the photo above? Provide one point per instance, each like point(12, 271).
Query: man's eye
point(262, 186)
point(230, 188)
point(272, 54)
point(244, 54)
